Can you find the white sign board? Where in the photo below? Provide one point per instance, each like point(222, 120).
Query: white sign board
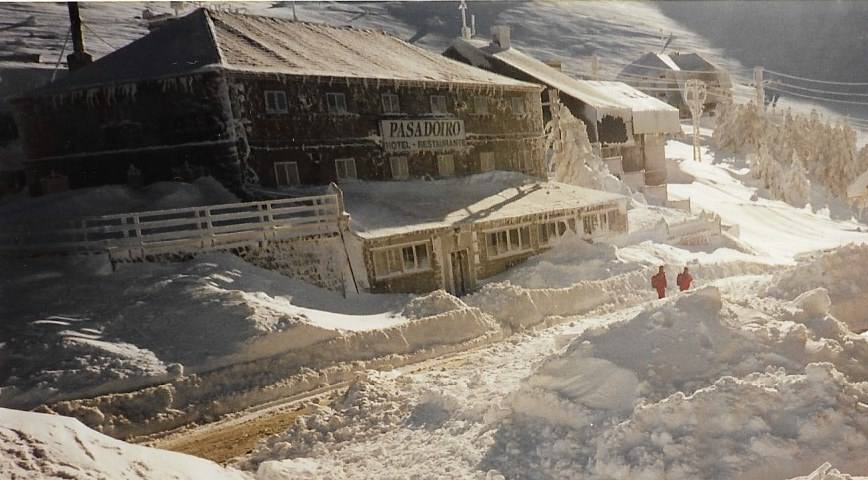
point(421, 135)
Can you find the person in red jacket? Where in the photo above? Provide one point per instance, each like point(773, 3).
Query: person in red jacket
point(658, 282)
point(684, 280)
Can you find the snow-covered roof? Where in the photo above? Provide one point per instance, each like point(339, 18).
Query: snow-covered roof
point(614, 98)
point(379, 209)
point(650, 115)
point(480, 53)
point(242, 42)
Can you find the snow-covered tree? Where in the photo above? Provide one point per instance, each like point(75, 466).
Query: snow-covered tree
point(572, 158)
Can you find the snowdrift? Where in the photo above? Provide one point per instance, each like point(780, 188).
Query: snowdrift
point(38, 446)
point(695, 387)
point(843, 272)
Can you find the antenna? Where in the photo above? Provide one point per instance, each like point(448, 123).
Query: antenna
point(465, 30)
point(668, 41)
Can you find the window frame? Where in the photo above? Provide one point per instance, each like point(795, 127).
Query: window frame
point(487, 158)
point(481, 101)
point(551, 230)
point(335, 110)
point(396, 253)
point(401, 159)
point(524, 241)
point(518, 101)
point(285, 164)
point(346, 161)
point(394, 103)
point(441, 162)
point(437, 111)
point(274, 95)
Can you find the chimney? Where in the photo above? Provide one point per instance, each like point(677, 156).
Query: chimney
point(78, 58)
point(500, 36)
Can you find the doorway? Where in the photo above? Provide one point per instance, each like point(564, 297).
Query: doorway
point(460, 262)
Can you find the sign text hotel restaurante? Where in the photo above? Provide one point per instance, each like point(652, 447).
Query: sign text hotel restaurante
point(423, 134)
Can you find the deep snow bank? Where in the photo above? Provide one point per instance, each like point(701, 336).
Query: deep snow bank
point(843, 272)
point(696, 387)
point(39, 446)
point(75, 328)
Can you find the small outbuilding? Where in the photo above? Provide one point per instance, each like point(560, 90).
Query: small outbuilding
point(664, 75)
point(419, 236)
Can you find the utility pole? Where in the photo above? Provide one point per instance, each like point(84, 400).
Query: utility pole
point(695, 94)
point(595, 67)
point(78, 58)
point(294, 16)
point(465, 30)
point(760, 90)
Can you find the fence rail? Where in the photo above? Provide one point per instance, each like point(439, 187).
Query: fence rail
point(179, 230)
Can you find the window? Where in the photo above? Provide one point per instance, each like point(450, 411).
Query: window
point(391, 103)
point(286, 173)
point(551, 230)
point(400, 170)
point(519, 107)
point(445, 165)
point(337, 102)
point(598, 222)
point(403, 260)
point(486, 161)
point(438, 105)
point(275, 101)
point(508, 242)
point(345, 168)
point(480, 105)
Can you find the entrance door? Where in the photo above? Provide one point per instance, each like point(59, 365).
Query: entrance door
point(460, 272)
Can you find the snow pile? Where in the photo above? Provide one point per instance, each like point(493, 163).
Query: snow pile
point(570, 260)
point(373, 404)
point(78, 329)
point(110, 199)
point(434, 303)
point(37, 445)
point(843, 272)
point(699, 387)
point(766, 425)
point(573, 160)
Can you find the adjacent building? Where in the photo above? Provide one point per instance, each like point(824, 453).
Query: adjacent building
point(663, 76)
point(420, 236)
point(628, 126)
point(277, 103)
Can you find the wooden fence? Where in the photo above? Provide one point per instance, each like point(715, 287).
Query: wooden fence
point(181, 230)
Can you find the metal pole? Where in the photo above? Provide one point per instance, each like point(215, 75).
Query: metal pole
point(760, 91)
point(695, 95)
point(78, 58)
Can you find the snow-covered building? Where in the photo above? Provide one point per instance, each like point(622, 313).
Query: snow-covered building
point(857, 191)
point(419, 236)
point(663, 75)
point(625, 122)
point(277, 102)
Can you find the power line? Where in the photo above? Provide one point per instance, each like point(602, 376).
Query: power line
point(813, 97)
point(827, 82)
point(814, 90)
point(97, 36)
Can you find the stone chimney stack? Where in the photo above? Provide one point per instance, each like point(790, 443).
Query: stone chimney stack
point(500, 36)
point(79, 57)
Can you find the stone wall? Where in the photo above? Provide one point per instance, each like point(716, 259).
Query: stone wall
point(320, 261)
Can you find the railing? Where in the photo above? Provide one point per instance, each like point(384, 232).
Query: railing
point(180, 230)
